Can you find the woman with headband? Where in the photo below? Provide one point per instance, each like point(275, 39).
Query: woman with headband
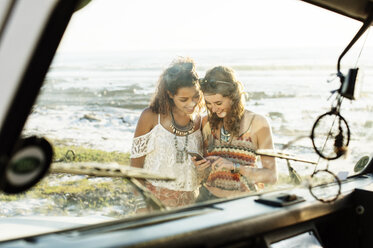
point(231, 135)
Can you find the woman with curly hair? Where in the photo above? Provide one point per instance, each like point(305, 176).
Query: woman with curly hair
point(166, 130)
point(231, 135)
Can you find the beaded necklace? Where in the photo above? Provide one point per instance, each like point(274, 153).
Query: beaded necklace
point(181, 131)
point(224, 134)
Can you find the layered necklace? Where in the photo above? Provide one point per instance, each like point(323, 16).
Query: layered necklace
point(181, 154)
point(181, 130)
point(224, 134)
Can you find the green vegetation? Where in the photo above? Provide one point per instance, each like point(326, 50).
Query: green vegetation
point(65, 194)
point(61, 194)
point(78, 195)
point(83, 154)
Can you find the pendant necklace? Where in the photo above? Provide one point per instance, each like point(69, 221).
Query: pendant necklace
point(224, 134)
point(181, 154)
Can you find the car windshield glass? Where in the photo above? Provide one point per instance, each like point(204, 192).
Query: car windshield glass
point(136, 85)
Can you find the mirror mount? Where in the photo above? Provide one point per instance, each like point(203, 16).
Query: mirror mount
point(349, 87)
point(367, 23)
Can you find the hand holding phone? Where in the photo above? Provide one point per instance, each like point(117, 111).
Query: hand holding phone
point(196, 155)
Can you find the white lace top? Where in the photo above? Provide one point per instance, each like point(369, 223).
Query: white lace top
point(159, 147)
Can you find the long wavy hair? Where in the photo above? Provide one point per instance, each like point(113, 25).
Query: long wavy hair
point(181, 73)
point(222, 80)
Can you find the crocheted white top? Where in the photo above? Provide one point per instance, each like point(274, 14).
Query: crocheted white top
point(159, 147)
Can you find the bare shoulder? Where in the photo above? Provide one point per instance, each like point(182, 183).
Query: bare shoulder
point(260, 120)
point(148, 119)
point(255, 120)
point(148, 114)
point(261, 131)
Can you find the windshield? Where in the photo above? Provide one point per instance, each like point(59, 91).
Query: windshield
point(94, 108)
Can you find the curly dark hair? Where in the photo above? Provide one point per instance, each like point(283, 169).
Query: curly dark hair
point(222, 80)
point(181, 73)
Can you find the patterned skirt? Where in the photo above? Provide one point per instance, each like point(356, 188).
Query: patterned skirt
point(172, 198)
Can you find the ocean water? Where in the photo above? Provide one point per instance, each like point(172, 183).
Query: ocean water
point(94, 100)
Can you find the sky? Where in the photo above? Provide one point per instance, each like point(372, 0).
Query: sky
point(119, 25)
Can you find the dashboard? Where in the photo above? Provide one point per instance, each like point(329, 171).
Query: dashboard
point(241, 222)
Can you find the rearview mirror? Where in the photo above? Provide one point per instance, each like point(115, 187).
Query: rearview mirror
point(26, 166)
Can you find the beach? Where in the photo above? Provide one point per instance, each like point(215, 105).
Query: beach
point(93, 101)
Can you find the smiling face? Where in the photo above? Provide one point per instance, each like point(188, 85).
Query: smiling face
point(186, 99)
point(218, 104)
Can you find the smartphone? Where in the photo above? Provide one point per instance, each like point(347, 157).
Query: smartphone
point(196, 154)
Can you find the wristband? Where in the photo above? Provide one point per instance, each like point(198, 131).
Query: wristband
point(236, 168)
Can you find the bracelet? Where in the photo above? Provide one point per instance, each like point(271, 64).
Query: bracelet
point(236, 168)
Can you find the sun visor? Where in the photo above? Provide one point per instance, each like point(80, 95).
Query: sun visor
point(356, 9)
